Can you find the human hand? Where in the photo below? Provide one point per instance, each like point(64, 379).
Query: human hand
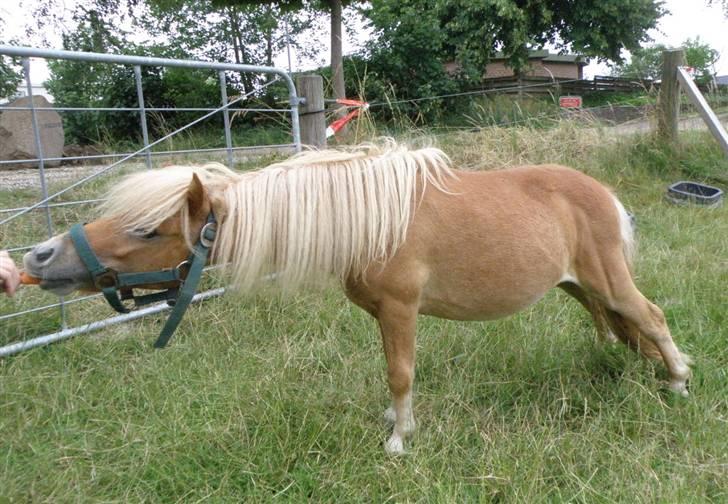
point(9, 274)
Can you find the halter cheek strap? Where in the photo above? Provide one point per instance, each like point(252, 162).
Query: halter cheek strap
point(188, 274)
point(189, 285)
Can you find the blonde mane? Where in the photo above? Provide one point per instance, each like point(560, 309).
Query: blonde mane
point(318, 214)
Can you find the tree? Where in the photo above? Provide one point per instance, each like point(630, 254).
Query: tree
point(334, 7)
point(246, 33)
point(416, 37)
point(84, 84)
point(10, 73)
point(183, 30)
point(646, 62)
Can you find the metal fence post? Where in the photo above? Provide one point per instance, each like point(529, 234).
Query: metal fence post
point(41, 164)
point(226, 118)
point(142, 113)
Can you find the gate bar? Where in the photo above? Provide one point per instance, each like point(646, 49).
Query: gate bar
point(41, 167)
point(142, 113)
point(226, 118)
point(98, 325)
point(150, 61)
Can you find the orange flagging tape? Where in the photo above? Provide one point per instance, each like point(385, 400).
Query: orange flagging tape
point(336, 126)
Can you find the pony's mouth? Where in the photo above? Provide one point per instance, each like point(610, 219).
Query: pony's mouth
point(59, 286)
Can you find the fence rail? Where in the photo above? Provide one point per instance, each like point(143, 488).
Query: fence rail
point(569, 86)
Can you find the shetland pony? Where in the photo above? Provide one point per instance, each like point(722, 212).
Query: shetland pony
point(404, 233)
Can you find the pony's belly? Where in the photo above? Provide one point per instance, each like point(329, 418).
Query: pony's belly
point(481, 304)
point(480, 291)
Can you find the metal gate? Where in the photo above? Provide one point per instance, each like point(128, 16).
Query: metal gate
point(48, 202)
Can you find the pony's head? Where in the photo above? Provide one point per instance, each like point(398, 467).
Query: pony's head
point(149, 222)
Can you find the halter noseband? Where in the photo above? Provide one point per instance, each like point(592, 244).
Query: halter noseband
point(187, 274)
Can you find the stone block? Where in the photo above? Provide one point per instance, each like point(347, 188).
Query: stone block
point(17, 140)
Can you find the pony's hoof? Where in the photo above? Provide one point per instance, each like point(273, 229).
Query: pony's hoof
point(389, 415)
point(394, 445)
point(679, 388)
point(610, 337)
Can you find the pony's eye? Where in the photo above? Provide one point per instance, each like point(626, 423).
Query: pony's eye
point(139, 233)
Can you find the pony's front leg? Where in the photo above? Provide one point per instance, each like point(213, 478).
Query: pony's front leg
point(398, 322)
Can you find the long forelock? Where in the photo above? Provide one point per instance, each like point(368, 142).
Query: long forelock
point(144, 200)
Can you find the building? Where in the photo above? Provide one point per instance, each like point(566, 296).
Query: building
point(38, 89)
point(540, 64)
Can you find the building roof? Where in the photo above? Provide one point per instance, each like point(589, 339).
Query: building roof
point(545, 55)
point(721, 80)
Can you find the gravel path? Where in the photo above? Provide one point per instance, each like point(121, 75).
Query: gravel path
point(28, 177)
point(685, 124)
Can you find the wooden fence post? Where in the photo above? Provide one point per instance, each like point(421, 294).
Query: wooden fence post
point(312, 115)
point(668, 104)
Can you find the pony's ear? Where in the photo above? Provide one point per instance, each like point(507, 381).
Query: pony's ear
point(197, 196)
point(219, 207)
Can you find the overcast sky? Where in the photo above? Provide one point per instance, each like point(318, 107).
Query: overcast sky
point(687, 19)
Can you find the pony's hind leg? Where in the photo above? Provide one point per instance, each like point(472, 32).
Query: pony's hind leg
point(596, 310)
point(650, 322)
point(398, 322)
point(635, 320)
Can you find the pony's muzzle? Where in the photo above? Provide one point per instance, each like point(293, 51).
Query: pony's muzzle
point(57, 265)
point(41, 254)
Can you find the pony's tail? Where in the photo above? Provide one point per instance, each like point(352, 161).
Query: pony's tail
point(626, 230)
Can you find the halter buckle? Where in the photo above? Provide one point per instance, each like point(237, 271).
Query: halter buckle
point(105, 279)
point(207, 234)
point(183, 267)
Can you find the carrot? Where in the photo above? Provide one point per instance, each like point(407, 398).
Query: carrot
point(26, 279)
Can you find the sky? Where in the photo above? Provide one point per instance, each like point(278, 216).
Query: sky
point(687, 19)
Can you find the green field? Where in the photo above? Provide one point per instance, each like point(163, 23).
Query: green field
point(281, 399)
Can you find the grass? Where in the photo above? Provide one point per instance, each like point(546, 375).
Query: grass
point(281, 399)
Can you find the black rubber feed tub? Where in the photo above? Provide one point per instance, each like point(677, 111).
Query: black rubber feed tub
point(684, 192)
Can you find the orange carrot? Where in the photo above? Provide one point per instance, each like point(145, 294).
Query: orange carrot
point(26, 279)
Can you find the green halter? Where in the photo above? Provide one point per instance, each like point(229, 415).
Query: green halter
point(187, 274)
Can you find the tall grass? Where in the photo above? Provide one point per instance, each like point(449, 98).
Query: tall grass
point(282, 398)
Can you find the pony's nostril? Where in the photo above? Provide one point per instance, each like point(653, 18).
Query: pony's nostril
point(43, 255)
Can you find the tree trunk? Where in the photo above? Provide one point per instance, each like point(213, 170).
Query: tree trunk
point(239, 49)
point(269, 97)
point(337, 66)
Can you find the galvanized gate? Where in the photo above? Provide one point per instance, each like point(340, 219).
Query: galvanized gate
point(11, 217)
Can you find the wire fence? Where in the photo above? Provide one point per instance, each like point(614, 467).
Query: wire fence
point(55, 206)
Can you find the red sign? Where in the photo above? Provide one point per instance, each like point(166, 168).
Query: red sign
point(570, 101)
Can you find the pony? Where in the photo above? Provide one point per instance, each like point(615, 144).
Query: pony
point(403, 231)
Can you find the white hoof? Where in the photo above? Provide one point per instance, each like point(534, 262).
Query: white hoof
point(390, 415)
point(680, 388)
point(610, 337)
point(394, 445)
